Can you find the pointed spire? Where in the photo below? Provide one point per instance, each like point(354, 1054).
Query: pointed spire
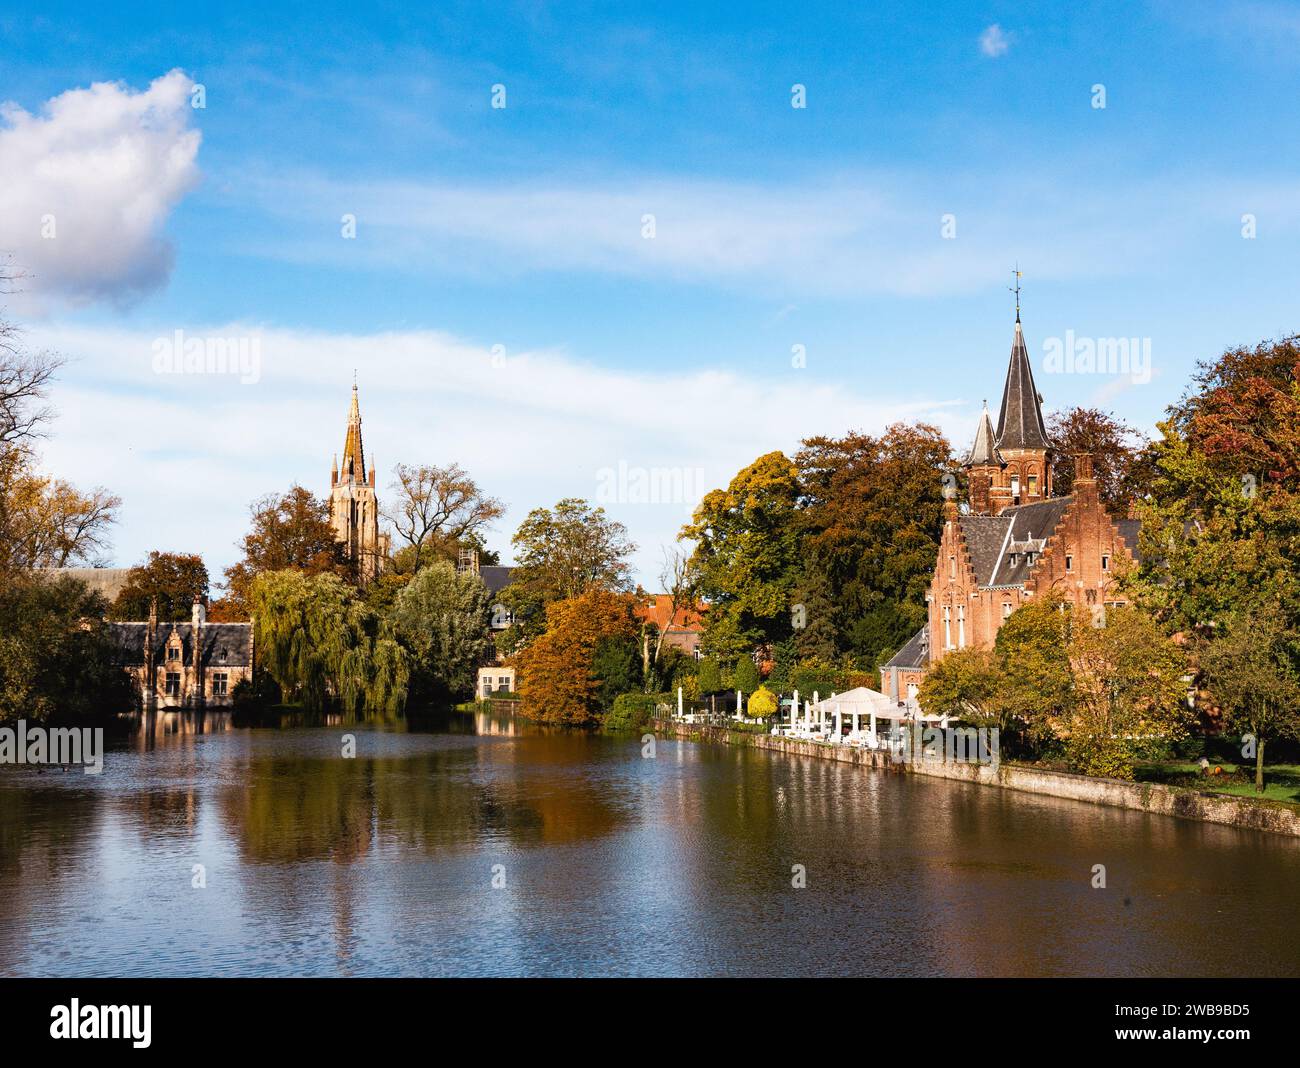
point(1020, 421)
point(984, 452)
point(354, 458)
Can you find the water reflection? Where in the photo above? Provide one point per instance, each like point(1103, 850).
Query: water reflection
point(604, 863)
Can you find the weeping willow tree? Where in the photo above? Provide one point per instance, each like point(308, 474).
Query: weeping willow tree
point(318, 641)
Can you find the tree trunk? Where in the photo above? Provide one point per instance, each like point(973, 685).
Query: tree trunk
point(1259, 767)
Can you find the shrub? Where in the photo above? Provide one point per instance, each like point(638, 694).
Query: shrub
point(762, 704)
point(632, 711)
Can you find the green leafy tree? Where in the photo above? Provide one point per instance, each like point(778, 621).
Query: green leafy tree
point(57, 658)
point(560, 554)
point(316, 640)
point(745, 677)
point(746, 557)
point(967, 685)
point(616, 667)
point(441, 618)
point(710, 676)
point(1130, 683)
point(1252, 669)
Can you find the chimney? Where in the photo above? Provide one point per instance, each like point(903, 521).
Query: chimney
point(1085, 485)
point(198, 616)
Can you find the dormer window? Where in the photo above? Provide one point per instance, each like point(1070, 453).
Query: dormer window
point(173, 653)
point(1012, 559)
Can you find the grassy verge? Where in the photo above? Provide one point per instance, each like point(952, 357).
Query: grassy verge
point(1281, 781)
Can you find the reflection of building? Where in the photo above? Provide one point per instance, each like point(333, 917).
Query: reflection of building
point(185, 665)
point(1015, 541)
point(354, 507)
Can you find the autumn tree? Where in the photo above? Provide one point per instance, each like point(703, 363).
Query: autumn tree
point(44, 521)
point(871, 513)
point(290, 531)
point(746, 556)
point(1116, 449)
point(173, 580)
point(437, 510)
point(558, 683)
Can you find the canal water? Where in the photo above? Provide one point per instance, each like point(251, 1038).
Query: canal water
point(487, 847)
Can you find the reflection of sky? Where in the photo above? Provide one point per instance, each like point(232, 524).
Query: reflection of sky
point(614, 863)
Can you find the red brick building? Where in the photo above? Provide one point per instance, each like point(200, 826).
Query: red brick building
point(1013, 541)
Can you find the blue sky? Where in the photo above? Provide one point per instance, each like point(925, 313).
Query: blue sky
point(521, 227)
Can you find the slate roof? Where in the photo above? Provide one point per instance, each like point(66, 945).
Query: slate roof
point(984, 451)
point(991, 538)
point(1020, 421)
point(915, 654)
point(495, 578)
point(224, 644)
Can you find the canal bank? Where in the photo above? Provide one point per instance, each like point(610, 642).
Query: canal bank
point(1163, 800)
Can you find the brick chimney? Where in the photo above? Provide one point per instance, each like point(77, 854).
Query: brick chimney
point(1085, 485)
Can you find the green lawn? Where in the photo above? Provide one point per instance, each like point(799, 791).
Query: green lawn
point(1281, 781)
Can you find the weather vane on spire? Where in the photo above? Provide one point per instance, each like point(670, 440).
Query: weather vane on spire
point(1016, 289)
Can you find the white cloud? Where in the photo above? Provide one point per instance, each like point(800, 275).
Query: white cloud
point(100, 170)
point(188, 453)
point(994, 41)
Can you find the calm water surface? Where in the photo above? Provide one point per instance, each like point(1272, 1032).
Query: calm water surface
point(613, 865)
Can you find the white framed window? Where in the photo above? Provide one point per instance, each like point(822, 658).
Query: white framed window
point(1069, 562)
point(173, 684)
point(1007, 608)
point(947, 627)
point(1105, 561)
point(961, 626)
point(220, 684)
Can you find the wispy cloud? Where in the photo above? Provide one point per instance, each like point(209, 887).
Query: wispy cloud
point(877, 233)
point(994, 41)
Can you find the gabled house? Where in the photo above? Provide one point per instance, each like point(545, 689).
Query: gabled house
point(1015, 541)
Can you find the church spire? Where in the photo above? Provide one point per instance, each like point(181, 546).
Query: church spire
point(354, 458)
point(1020, 421)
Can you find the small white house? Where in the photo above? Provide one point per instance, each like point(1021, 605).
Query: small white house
point(496, 678)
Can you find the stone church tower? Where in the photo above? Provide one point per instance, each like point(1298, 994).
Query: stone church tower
point(354, 507)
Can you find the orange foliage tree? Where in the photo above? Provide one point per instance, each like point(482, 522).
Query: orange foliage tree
point(556, 681)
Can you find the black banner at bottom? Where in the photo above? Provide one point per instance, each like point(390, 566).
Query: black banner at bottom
point(334, 1016)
